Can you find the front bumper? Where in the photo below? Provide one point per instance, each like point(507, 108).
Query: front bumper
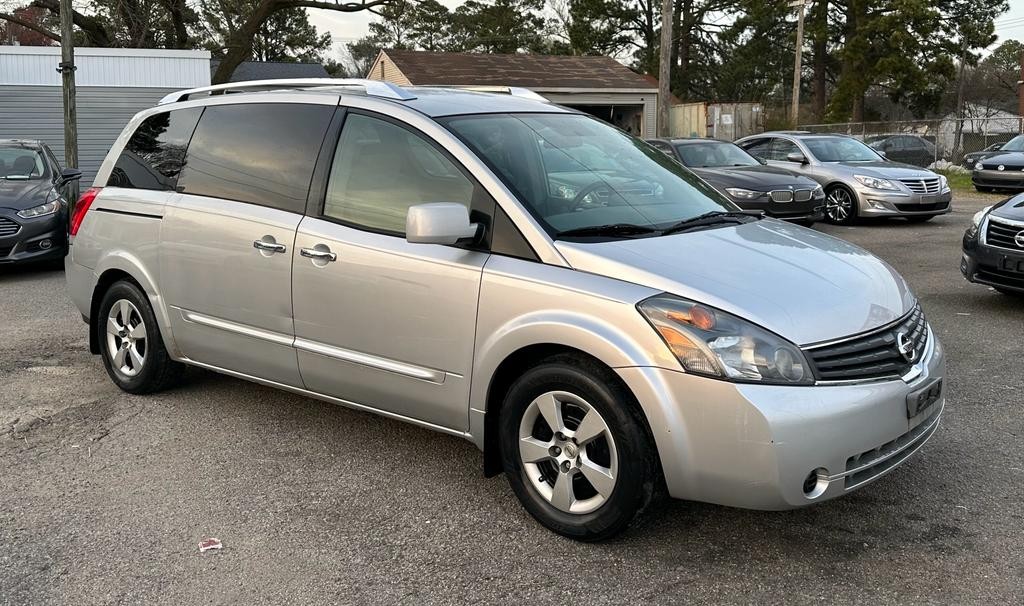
point(754, 446)
point(998, 179)
point(38, 239)
point(991, 265)
point(880, 203)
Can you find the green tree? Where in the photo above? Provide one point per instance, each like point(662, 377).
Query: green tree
point(591, 27)
point(286, 35)
point(498, 26)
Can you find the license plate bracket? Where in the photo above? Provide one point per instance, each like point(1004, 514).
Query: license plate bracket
point(1012, 265)
point(922, 399)
point(928, 199)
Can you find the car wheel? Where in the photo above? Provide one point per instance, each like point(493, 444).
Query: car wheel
point(840, 205)
point(983, 189)
point(130, 342)
point(576, 449)
point(920, 218)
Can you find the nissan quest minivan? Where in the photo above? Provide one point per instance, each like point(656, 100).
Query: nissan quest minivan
point(603, 324)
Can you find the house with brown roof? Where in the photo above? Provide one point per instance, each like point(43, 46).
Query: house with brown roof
point(600, 86)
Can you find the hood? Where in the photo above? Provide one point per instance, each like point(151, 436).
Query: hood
point(758, 178)
point(1006, 158)
point(885, 170)
point(801, 284)
point(20, 195)
point(1012, 208)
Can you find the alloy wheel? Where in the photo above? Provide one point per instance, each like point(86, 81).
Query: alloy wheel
point(838, 205)
point(568, 452)
point(126, 338)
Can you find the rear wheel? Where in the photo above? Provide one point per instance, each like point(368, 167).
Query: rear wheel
point(576, 450)
point(840, 205)
point(130, 344)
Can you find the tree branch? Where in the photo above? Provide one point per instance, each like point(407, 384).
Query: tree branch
point(29, 25)
point(343, 7)
point(91, 26)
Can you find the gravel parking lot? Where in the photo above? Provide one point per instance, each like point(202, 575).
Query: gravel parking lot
point(104, 496)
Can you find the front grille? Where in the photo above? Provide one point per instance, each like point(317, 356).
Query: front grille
point(8, 227)
point(922, 186)
point(873, 355)
point(802, 195)
point(786, 195)
point(870, 464)
point(1003, 235)
point(922, 207)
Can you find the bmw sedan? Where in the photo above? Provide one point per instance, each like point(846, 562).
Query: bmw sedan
point(33, 212)
point(858, 181)
point(747, 181)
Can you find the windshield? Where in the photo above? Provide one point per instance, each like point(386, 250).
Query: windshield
point(575, 172)
point(1015, 144)
point(714, 153)
point(840, 149)
point(21, 163)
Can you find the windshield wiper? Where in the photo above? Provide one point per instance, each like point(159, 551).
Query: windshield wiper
point(612, 229)
point(714, 217)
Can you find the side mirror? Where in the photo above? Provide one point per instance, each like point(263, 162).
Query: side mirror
point(68, 175)
point(796, 157)
point(761, 160)
point(439, 223)
point(881, 153)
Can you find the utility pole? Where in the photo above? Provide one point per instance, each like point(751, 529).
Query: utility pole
point(665, 67)
point(67, 70)
point(1020, 93)
point(800, 6)
point(958, 134)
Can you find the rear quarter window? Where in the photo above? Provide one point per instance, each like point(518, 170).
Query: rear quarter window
point(155, 153)
point(261, 153)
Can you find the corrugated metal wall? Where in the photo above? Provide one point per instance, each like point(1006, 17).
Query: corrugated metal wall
point(36, 112)
point(144, 68)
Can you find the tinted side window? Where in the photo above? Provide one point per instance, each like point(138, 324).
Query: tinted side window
point(261, 153)
point(759, 148)
point(381, 169)
point(153, 157)
point(782, 148)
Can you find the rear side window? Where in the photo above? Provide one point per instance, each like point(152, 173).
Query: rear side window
point(261, 153)
point(153, 157)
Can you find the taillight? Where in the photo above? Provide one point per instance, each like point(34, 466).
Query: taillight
point(82, 207)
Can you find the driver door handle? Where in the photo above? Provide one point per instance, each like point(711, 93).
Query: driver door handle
point(318, 255)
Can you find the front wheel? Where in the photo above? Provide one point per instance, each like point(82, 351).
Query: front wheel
point(130, 342)
point(576, 450)
point(840, 205)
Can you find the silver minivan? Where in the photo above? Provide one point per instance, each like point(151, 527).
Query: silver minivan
point(604, 325)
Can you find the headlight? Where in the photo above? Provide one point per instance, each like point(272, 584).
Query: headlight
point(876, 183)
point(566, 192)
point(38, 211)
point(979, 166)
point(943, 183)
point(976, 220)
point(818, 192)
point(743, 194)
point(713, 343)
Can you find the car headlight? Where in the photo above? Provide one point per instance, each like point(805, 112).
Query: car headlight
point(943, 183)
point(876, 183)
point(38, 211)
point(714, 343)
point(976, 220)
point(743, 194)
point(979, 166)
point(566, 192)
point(818, 192)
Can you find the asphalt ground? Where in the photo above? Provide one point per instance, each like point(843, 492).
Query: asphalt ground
point(105, 496)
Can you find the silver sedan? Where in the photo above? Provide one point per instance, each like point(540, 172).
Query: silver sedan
point(858, 181)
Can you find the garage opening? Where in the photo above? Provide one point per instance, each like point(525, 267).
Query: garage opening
point(627, 117)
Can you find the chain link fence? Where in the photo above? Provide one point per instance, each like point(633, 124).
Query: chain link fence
point(930, 143)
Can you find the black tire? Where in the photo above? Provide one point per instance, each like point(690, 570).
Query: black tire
point(157, 370)
point(920, 218)
point(834, 216)
point(983, 189)
point(638, 475)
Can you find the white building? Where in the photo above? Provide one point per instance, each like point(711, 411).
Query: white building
point(981, 123)
point(113, 85)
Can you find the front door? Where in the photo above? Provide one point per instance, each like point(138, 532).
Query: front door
point(381, 322)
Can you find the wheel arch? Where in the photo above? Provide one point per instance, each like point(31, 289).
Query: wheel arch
point(124, 266)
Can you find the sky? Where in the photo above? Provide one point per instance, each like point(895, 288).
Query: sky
point(347, 27)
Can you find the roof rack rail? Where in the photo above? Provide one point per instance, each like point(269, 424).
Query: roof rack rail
point(374, 88)
point(515, 91)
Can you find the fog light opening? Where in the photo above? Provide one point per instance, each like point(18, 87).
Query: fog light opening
point(816, 483)
point(45, 244)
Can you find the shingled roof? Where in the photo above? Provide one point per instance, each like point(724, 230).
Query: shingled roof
point(532, 71)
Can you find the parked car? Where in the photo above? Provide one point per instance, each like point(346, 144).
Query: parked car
point(747, 181)
point(33, 212)
point(909, 149)
point(994, 247)
point(1003, 169)
point(857, 181)
point(991, 150)
point(400, 251)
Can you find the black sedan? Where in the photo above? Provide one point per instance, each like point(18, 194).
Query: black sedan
point(908, 149)
point(994, 247)
point(988, 152)
point(746, 181)
point(1003, 170)
point(33, 213)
